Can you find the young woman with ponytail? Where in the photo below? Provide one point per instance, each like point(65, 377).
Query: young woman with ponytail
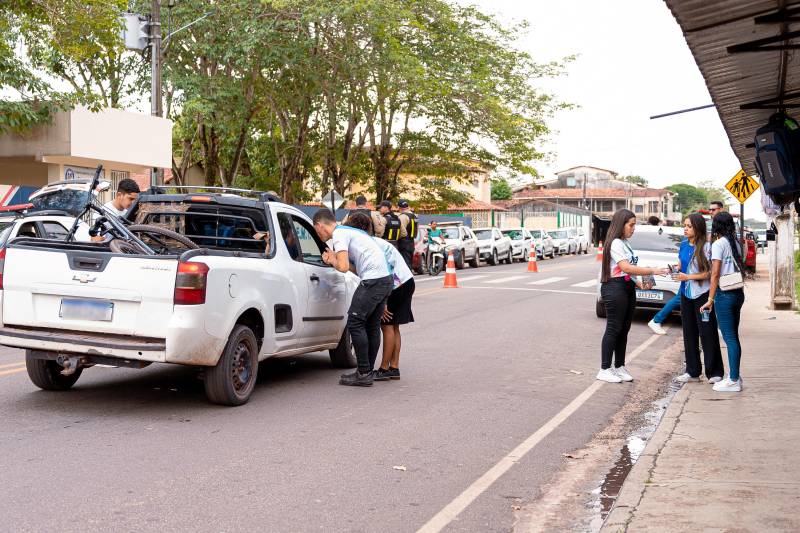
point(694, 275)
point(726, 259)
point(618, 293)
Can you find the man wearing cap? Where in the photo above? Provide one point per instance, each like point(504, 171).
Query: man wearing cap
point(393, 229)
point(378, 222)
point(408, 221)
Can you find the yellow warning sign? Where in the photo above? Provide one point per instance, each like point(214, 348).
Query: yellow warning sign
point(741, 186)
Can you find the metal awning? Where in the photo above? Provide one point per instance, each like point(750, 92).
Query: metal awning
point(720, 34)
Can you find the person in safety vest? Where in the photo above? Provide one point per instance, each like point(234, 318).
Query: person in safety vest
point(378, 222)
point(393, 231)
point(408, 220)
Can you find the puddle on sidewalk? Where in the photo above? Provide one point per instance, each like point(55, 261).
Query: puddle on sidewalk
point(604, 496)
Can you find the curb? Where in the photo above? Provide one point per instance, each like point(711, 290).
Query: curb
point(635, 485)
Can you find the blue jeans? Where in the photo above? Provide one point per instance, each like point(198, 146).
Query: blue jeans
point(668, 308)
point(728, 308)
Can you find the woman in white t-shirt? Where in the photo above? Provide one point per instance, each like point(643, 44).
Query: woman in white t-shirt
point(618, 293)
point(726, 258)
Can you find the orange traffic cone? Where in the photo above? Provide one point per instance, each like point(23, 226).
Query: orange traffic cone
point(532, 265)
point(450, 273)
point(599, 255)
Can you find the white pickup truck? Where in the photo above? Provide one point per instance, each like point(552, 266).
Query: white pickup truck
point(255, 288)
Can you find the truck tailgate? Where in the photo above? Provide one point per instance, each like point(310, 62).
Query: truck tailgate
point(88, 291)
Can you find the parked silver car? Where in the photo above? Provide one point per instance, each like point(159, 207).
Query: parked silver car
point(563, 241)
point(521, 241)
point(466, 245)
point(581, 240)
point(493, 246)
point(544, 243)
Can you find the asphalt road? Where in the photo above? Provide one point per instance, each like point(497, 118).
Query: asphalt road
point(483, 368)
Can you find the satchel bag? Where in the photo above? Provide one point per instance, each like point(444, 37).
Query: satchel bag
point(732, 281)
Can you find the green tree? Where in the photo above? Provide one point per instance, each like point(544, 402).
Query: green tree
point(689, 198)
point(636, 180)
point(501, 190)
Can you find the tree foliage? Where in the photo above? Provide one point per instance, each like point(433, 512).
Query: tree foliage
point(501, 190)
point(691, 198)
point(636, 180)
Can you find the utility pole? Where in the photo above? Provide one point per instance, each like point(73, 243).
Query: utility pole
point(782, 263)
point(155, 71)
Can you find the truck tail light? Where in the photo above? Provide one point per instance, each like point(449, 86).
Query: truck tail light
point(190, 284)
point(2, 264)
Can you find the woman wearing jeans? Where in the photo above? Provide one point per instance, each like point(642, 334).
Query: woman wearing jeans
point(618, 293)
point(695, 271)
point(726, 258)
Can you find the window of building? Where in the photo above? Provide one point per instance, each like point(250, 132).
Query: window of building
point(115, 177)
point(654, 206)
point(638, 208)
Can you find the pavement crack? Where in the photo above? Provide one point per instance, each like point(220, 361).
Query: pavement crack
point(654, 464)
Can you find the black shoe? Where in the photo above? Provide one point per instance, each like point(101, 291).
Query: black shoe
point(393, 373)
point(357, 379)
point(382, 375)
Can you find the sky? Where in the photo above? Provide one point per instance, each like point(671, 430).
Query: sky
point(632, 63)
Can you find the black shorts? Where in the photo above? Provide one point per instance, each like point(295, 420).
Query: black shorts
point(399, 304)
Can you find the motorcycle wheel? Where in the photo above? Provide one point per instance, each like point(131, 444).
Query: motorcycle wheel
point(436, 267)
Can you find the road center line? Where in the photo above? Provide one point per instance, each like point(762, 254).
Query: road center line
point(9, 372)
point(532, 290)
point(12, 364)
point(480, 485)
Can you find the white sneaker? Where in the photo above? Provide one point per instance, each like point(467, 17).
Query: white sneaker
point(609, 376)
point(714, 379)
point(684, 378)
point(656, 327)
point(726, 385)
point(623, 373)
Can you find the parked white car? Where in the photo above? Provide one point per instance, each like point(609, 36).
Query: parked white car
point(581, 240)
point(464, 241)
point(656, 246)
point(493, 246)
point(563, 241)
point(521, 242)
point(544, 243)
point(256, 288)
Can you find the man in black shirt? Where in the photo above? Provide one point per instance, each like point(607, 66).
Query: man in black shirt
point(409, 222)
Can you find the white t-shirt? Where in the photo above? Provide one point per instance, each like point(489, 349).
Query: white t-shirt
point(400, 271)
point(694, 287)
point(621, 251)
point(721, 251)
point(109, 206)
point(362, 251)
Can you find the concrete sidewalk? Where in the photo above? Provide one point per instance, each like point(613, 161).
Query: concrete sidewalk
point(727, 461)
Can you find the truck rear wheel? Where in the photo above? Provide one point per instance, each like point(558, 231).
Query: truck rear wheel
point(343, 356)
point(46, 374)
point(232, 381)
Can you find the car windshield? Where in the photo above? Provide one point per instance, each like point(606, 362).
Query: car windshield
point(514, 234)
point(656, 241)
point(560, 234)
point(450, 233)
point(68, 200)
point(483, 234)
point(536, 234)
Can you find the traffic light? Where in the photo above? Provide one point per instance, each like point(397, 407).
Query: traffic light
point(135, 31)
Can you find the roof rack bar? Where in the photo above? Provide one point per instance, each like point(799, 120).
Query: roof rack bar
point(264, 196)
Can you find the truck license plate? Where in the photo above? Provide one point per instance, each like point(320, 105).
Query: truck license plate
point(96, 310)
point(655, 296)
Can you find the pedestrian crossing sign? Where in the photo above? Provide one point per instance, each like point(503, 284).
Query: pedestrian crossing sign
point(741, 186)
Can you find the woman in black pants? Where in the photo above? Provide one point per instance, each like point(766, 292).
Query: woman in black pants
point(618, 293)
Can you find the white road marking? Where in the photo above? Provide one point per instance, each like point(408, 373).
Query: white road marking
point(546, 281)
point(533, 290)
point(503, 280)
point(590, 283)
point(480, 485)
point(470, 278)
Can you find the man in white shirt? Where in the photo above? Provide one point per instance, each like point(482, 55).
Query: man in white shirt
point(127, 193)
point(354, 250)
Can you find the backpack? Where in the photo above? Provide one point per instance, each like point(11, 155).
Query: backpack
point(393, 225)
point(778, 158)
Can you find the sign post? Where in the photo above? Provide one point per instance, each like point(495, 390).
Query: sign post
point(741, 186)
